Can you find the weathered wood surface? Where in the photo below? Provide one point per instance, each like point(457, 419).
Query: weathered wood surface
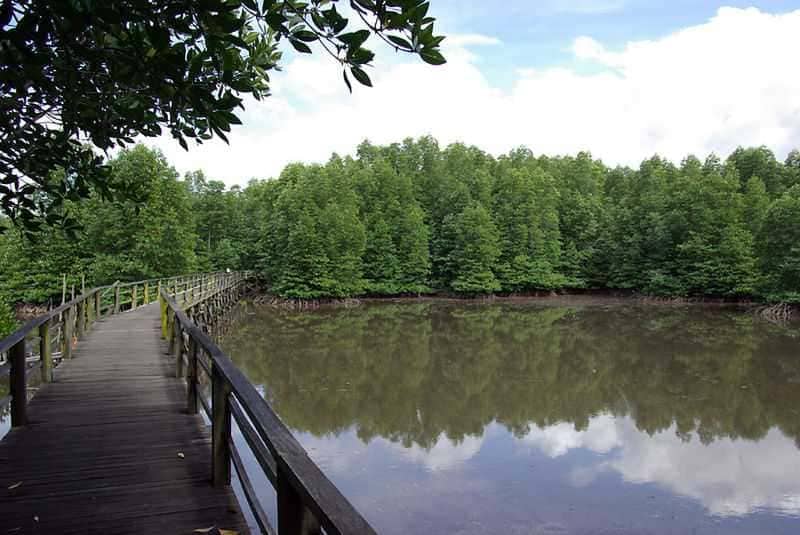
point(101, 451)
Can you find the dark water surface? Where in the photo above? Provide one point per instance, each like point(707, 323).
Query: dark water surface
point(514, 418)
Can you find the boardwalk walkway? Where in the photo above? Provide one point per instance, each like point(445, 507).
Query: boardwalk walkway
point(110, 447)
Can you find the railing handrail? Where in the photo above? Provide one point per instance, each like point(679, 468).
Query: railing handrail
point(12, 339)
point(296, 473)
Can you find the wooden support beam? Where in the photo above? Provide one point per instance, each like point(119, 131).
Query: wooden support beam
point(220, 428)
point(46, 352)
point(191, 378)
point(178, 350)
point(80, 319)
point(66, 330)
point(18, 385)
point(88, 305)
point(171, 320)
point(294, 518)
point(164, 320)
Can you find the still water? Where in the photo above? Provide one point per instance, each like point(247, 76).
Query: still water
point(522, 418)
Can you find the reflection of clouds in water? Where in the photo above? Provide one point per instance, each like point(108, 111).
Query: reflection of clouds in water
point(445, 453)
point(554, 441)
point(347, 451)
point(729, 477)
point(336, 454)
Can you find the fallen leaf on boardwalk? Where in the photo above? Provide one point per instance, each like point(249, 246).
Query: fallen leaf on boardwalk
point(214, 530)
point(181, 455)
point(15, 485)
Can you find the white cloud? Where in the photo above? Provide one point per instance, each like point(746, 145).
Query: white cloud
point(707, 88)
point(585, 7)
point(467, 39)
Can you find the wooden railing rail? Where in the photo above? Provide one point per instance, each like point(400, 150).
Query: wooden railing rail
point(307, 501)
point(50, 337)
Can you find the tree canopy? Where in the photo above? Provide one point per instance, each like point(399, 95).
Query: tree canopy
point(77, 76)
point(413, 217)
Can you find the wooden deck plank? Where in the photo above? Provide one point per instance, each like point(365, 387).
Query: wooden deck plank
point(101, 451)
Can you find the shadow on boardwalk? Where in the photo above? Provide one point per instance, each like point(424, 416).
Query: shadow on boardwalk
point(110, 448)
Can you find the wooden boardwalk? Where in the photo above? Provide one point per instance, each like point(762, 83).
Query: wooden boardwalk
point(110, 447)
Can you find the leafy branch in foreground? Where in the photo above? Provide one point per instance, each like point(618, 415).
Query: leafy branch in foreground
point(81, 75)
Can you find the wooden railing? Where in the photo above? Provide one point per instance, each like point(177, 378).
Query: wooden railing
point(51, 337)
point(307, 501)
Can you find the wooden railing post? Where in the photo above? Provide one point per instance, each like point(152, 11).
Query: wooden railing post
point(116, 299)
point(80, 321)
point(163, 304)
point(18, 385)
point(66, 332)
point(146, 291)
point(45, 352)
point(98, 311)
point(178, 349)
point(171, 331)
point(191, 377)
point(220, 428)
point(87, 314)
point(133, 297)
point(294, 518)
point(88, 305)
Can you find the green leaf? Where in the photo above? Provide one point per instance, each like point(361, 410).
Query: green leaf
point(305, 35)
point(366, 4)
point(360, 56)
point(399, 41)
point(361, 76)
point(354, 39)
point(433, 57)
point(347, 81)
point(300, 46)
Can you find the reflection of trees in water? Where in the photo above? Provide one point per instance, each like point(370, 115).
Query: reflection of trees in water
point(409, 372)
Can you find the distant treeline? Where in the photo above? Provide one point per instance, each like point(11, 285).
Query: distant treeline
point(414, 218)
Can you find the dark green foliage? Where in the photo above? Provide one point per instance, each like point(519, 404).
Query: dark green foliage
point(313, 240)
point(137, 241)
point(8, 322)
point(525, 207)
point(475, 250)
point(104, 73)
point(411, 218)
point(119, 239)
point(396, 258)
point(779, 246)
point(759, 162)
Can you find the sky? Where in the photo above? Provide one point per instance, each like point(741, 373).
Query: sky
point(622, 79)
